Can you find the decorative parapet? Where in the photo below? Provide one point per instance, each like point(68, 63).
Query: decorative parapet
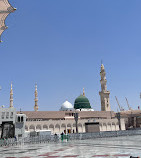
point(5, 10)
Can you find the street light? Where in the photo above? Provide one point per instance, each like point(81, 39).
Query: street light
point(118, 117)
point(76, 121)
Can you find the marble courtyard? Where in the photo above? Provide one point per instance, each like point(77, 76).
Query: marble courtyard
point(120, 147)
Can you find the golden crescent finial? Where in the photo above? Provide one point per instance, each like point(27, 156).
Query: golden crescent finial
point(83, 92)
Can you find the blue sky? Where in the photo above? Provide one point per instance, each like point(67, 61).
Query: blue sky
point(60, 44)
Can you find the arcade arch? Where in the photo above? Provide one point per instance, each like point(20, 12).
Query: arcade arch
point(38, 127)
point(57, 128)
point(45, 127)
point(63, 128)
point(80, 129)
point(51, 127)
point(26, 128)
point(31, 128)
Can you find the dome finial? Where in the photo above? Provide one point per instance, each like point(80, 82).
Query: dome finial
point(11, 85)
point(102, 67)
point(83, 92)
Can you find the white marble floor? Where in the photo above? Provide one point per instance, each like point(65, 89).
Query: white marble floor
point(121, 147)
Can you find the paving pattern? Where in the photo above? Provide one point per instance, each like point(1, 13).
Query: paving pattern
point(119, 147)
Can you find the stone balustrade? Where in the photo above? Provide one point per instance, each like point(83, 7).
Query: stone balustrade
point(83, 136)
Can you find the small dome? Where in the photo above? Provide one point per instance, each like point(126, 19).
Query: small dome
point(82, 102)
point(66, 106)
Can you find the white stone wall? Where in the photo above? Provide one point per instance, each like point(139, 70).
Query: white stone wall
point(111, 124)
point(122, 122)
point(20, 125)
point(58, 126)
point(7, 114)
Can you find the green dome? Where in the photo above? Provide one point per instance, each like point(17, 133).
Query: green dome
point(82, 102)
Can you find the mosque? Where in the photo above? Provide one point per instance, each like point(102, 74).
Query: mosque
point(81, 104)
point(64, 120)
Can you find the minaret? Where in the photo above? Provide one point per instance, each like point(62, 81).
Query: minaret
point(36, 99)
point(104, 94)
point(83, 92)
point(11, 97)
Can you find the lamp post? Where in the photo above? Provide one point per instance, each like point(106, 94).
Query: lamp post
point(118, 117)
point(76, 121)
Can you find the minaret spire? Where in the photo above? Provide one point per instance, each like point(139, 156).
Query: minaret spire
point(36, 99)
point(104, 94)
point(83, 92)
point(11, 97)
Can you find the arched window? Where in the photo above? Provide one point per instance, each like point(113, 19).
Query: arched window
point(32, 128)
point(21, 118)
point(45, 127)
point(38, 127)
point(69, 125)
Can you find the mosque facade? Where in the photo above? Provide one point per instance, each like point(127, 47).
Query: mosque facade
point(64, 119)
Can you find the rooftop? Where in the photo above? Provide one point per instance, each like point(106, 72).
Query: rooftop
point(62, 114)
